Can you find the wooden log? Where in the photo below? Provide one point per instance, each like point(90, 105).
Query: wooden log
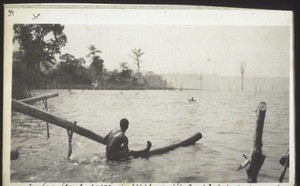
point(256, 157)
point(45, 116)
point(284, 161)
point(257, 138)
point(284, 158)
point(46, 107)
point(70, 136)
point(286, 165)
point(38, 98)
point(190, 141)
point(48, 133)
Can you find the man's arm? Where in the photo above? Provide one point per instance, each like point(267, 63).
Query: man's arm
point(124, 144)
point(106, 138)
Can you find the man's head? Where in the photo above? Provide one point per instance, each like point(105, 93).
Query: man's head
point(124, 124)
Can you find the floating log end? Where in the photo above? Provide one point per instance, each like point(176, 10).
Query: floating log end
point(190, 141)
point(262, 106)
point(14, 153)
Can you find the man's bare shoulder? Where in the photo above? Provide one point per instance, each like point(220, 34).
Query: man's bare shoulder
point(115, 131)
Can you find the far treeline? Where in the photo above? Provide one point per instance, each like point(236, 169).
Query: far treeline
point(35, 65)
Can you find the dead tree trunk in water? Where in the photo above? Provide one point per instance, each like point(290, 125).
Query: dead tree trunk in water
point(257, 158)
point(285, 162)
point(137, 54)
point(201, 81)
point(243, 66)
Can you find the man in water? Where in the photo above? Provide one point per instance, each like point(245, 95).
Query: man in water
point(192, 100)
point(117, 144)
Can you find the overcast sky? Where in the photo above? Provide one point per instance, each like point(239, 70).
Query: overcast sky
point(187, 49)
point(175, 39)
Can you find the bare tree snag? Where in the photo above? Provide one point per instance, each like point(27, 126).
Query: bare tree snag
point(285, 162)
point(137, 54)
point(243, 67)
point(256, 157)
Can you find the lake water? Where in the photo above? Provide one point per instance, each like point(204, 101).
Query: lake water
point(226, 120)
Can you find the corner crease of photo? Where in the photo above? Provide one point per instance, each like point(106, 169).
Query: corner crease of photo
point(147, 95)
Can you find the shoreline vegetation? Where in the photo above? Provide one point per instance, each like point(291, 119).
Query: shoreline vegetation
point(39, 64)
point(24, 81)
point(89, 87)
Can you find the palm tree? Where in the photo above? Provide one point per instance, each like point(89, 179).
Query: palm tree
point(93, 51)
point(137, 54)
point(96, 65)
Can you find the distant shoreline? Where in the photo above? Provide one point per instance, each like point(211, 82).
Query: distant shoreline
point(88, 87)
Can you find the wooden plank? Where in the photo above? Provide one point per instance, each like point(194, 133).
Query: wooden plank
point(45, 116)
point(38, 98)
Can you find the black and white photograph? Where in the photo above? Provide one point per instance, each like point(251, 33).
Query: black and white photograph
point(148, 94)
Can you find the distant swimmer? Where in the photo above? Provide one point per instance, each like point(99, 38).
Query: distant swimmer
point(192, 100)
point(117, 144)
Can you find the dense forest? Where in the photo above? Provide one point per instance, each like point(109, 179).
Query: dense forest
point(39, 64)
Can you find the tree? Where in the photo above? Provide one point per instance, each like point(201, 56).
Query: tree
point(38, 45)
point(81, 61)
point(71, 65)
point(137, 54)
point(93, 51)
point(67, 65)
point(96, 66)
point(123, 66)
point(112, 77)
point(155, 81)
point(138, 80)
point(242, 69)
point(125, 72)
point(68, 59)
